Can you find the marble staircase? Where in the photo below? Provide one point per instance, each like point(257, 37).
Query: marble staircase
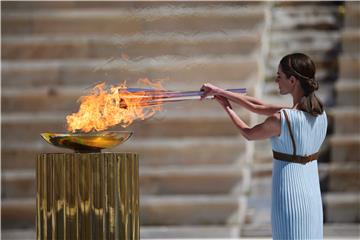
point(191, 156)
point(343, 196)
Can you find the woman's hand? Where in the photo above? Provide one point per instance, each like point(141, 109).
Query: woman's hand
point(223, 101)
point(209, 90)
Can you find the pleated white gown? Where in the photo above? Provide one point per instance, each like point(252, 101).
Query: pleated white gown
point(296, 211)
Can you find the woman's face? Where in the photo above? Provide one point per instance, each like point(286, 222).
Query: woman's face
point(284, 83)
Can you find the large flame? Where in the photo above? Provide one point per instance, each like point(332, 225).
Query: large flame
point(103, 108)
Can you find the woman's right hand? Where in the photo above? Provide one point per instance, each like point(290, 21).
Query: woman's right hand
point(209, 90)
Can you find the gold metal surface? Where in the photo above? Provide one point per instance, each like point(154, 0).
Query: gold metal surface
point(87, 142)
point(87, 196)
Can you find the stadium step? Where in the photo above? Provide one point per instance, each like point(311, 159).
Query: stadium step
point(47, 46)
point(349, 67)
point(352, 16)
point(124, 21)
point(350, 39)
point(150, 232)
point(342, 177)
point(25, 127)
point(115, 4)
point(153, 180)
point(316, 43)
point(66, 99)
point(305, 17)
point(348, 93)
point(346, 119)
point(331, 230)
point(154, 152)
point(342, 207)
point(345, 148)
point(227, 71)
point(154, 210)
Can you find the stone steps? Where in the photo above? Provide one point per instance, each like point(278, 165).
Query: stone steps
point(331, 230)
point(352, 14)
point(190, 154)
point(349, 66)
point(333, 177)
point(345, 148)
point(343, 177)
point(303, 27)
point(341, 204)
point(322, 46)
point(341, 196)
point(126, 21)
point(305, 17)
point(192, 180)
point(342, 186)
point(35, 6)
point(350, 39)
point(28, 126)
point(206, 232)
point(314, 41)
point(256, 231)
point(226, 71)
point(348, 92)
point(154, 210)
point(338, 230)
point(153, 180)
point(151, 232)
point(65, 99)
point(132, 47)
point(176, 152)
point(131, 5)
point(258, 211)
point(346, 119)
point(262, 152)
point(342, 207)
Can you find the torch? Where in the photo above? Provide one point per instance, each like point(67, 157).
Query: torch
point(95, 141)
point(155, 97)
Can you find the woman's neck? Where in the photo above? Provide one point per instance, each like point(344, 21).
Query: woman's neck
point(297, 95)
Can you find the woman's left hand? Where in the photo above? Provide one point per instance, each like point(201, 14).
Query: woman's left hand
point(223, 101)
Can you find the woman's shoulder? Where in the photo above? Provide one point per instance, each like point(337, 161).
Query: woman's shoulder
point(291, 110)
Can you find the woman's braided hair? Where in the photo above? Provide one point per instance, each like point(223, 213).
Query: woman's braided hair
point(302, 68)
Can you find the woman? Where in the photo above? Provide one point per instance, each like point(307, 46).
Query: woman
point(296, 135)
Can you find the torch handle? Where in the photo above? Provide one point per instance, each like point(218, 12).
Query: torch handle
point(156, 97)
point(187, 95)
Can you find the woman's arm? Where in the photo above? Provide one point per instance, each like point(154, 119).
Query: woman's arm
point(269, 128)
point(250, 103)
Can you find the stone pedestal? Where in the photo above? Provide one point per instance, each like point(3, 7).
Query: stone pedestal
point(87, 196)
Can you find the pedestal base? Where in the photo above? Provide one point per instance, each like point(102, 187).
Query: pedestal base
point(87, 196)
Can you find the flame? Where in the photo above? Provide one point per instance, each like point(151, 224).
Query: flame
point(102, 108)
